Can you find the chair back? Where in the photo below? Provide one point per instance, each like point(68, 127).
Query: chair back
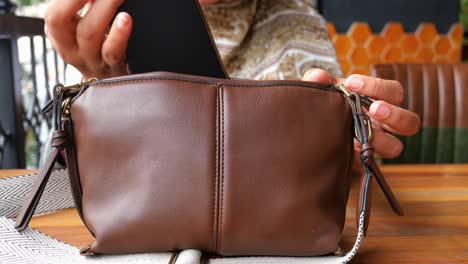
point(439, 94)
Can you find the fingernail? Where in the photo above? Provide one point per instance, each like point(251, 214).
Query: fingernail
point(309, 75)
point(354, 83)
point(122, 21)
point(382, 111)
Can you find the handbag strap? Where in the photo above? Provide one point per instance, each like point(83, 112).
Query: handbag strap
point(27, 211)
point(59, 142)
point(363, 133)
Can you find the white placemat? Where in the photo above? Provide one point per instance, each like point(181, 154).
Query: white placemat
point(34, 247)
point(14, 191)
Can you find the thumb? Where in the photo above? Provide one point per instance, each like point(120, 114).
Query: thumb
point(319, 76)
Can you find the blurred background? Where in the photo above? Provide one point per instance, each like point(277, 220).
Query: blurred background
point(365, 33)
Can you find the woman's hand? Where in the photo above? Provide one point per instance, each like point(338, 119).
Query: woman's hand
point(94, 43)
point(88, 42)
point(385, 113)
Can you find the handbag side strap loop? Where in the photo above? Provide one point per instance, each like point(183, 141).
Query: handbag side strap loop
point(363, 133)
point(371, 167)
point(59, 142)
point(386, 189)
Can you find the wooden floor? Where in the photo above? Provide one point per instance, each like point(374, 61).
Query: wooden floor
point(433, 230)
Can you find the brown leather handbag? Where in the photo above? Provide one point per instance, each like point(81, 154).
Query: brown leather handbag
point(164, 162)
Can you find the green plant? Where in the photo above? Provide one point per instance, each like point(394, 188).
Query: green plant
point(464, 15)
point(29, 2)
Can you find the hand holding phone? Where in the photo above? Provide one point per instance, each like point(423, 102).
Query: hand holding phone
point(97, 50)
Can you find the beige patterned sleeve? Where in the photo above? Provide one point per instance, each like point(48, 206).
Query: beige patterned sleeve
point(271, 39)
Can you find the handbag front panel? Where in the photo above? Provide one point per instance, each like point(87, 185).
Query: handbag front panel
point(286, 156)
point(167, 165)
point(146, 159)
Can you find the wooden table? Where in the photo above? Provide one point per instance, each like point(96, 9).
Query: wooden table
point(433, 230)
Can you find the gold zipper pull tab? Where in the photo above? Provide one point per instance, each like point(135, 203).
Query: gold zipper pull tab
point(366, 100)
point(66, 104)
point(80, 85)
point(340, 87)
point(356, 101)
point(60, 88)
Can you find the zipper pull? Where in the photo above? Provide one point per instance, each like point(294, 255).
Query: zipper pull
point(363, 126)
point(363, 133)
point(69, 89)
point(365, 100)
point(80, 85)
point(341, 88)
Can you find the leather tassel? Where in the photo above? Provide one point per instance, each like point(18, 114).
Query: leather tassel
point(58, 143)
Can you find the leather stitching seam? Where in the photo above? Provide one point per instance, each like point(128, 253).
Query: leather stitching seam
point(222, 172)
point(312, 86)
point(133, 81)
point(110, 83)
point(215, 198)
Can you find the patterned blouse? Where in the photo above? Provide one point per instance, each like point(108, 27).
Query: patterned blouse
point(271, 39)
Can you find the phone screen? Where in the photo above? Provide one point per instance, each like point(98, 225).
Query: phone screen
point(171, 35)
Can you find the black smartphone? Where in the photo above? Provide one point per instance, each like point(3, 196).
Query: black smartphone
point(171, 35)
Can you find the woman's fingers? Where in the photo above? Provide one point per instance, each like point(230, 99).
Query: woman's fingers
point(91, 29)
point(82, 40)
point(388, 90)
point(376, 88)
point(395, 119)
point(113, 49)
point(391, 117)
point(62, 13)
point(61, 19)
point(319, 76)
point(385, 116)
